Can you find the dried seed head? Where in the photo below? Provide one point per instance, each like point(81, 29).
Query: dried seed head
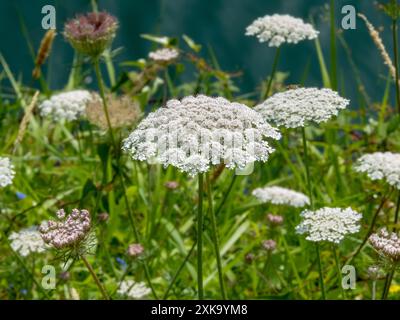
point(44, 51)
point(91, 33)
point(123, 112)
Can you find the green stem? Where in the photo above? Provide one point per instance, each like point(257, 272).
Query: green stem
point(396, 62)
point(96, 65)
point(333, 46)
point(373, 294)
point(321, 278)
point(116, 150)
point(200, 239)
point(179, 271)
point(306, 161)
point(339, 272)
point(216, 238)
point(396, 213)
point(272, 75)
point(371, 227)
point(226, 195)
point(96, 279)
point(388, 282)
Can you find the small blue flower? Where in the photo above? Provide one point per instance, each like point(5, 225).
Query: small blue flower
point(122, 262)
point(24, 292)
point(20, 195)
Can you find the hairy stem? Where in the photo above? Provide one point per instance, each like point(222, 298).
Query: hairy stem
point(321, 278)
point(216, 238)
point(272, 75)
point(200, 239)
point(95, 278)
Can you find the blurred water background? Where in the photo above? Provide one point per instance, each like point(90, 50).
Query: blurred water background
point(219, 24)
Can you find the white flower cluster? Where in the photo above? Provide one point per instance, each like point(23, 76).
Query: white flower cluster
point(7, 172)
point(278, 29)
point(164, 55)
point(296, 107)
point(133, 290)
point(329, 224)
point(387, 244)
point(381, 166)
point(198, 132)
point(27, 241)
point(279, 195)
point(66, 106)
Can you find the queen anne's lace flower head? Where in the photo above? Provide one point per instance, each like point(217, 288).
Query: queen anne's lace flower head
point(7, 172)
point(198, 132)
point(27, 241)
point(133, 290)
point(329, 224)
point(91, 33)
point(278, 29)
point(69, 232)
point(381, 166)
point(164, 55)
point(296, 107)
point(66, 106)
point(387, 244)
point(279, 195)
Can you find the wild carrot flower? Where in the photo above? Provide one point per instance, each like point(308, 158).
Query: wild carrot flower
point(135, 249)
point(281, 196)
point(66, 106)
point(381, 166)
point(269, 245)
point(27, 241)
point(121, 110)
point(387, 244)
point(329, 224)
point(198, 132)
point(278, 29)
point(7, 172)
point(133, 290)
point(70, 232)
point(91, 33)
point(296, 107)
point(164, 55)
point(274, 220)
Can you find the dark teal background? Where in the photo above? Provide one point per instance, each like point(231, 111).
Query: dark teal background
point(218, 23)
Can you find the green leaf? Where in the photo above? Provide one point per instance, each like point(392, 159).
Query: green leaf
point(192, 45)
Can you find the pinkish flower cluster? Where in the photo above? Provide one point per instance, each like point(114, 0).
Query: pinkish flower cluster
point(135, 249)
point(269, 245)
point(91, 33)
point(387, 244)
point(274, 220)
point(69, 231)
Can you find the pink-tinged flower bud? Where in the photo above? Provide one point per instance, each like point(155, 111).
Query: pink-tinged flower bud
point(172, 185)
point(135, 249)
point(269, 245)
point(91, 33)
point(103, 216)
point(274, 220)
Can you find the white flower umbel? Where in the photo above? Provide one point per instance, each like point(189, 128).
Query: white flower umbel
point(133, 290)
point(329, 224)
point(164, 55)
point(27, 241)
point(197, 132)
point(297, 107)
point(7, 172)
point(387, 244)
point(381, 166)
point(66, 106)
point(279, 195)
point(278, 29)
